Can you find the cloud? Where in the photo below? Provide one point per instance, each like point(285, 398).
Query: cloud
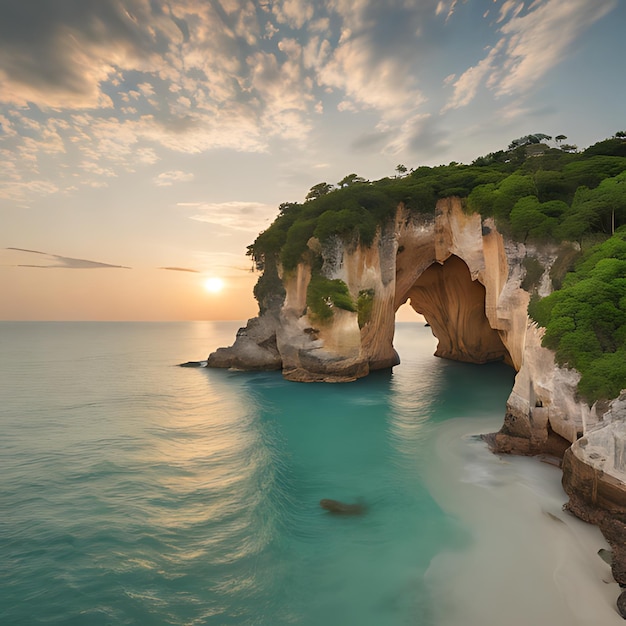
point(167, 179)
point(224, 263)
point(18, 191)
point(138, 76)
point(58, 261)
point(371, 141)
point(448, 7)
point(194, 76)
point(373, 63)
point(235, 215)
point(106, 83)
point(103, 86)
point(510, 6)
point(179, 269)
point(59, 54)
point(467, 85)
point(532, 42)
point(293, 12)
point(533, 49)
point(284, 88)
point(420, 135)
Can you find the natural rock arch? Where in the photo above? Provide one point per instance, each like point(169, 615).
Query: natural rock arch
point(454, 306)
point(450, 266)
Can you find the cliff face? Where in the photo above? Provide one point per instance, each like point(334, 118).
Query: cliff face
point(465, 278)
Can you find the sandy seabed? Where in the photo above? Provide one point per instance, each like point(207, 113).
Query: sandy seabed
point(528, 562)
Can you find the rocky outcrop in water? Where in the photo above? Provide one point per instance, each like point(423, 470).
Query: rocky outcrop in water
point(441, 264)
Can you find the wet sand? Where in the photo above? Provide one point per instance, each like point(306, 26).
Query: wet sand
point(526, 562)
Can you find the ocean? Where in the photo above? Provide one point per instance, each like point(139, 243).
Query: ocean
point(137, 492)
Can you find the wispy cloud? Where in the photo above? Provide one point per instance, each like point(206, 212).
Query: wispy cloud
point(243, 216)
point(167, 179)
point(179, 269)
point(532, 41)
point(467, 85)
point(18, 190)
point(533, 49)
point(370, 68)
point(223, 263)
point(64, 262)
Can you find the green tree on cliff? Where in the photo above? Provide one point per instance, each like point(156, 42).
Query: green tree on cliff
point(349, 180)
point(319, 190)
point(528, 218)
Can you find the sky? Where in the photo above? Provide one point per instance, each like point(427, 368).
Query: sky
point(144, 144)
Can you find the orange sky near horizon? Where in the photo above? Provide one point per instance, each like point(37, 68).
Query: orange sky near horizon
point(132, 295)
point(125, 295)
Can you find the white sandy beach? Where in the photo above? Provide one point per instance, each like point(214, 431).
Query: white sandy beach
point(523, 567)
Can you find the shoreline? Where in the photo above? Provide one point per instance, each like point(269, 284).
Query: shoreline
point(528, 560)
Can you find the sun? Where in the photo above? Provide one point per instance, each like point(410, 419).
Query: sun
point(214, 284)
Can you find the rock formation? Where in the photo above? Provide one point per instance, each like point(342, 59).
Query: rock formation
point(594, 475)
point(465, 278)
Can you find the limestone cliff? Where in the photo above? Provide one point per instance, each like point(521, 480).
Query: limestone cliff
point(465, 278)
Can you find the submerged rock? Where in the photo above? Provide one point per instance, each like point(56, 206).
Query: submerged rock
point(621, 604)
point(342, 508)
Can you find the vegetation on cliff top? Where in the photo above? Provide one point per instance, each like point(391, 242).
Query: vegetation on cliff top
point(535, 192)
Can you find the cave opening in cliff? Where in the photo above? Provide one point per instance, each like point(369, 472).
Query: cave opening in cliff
point(454, 306)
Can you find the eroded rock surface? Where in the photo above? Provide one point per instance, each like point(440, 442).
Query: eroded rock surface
point(594, 478)
point(255, 347)
point(454, 306)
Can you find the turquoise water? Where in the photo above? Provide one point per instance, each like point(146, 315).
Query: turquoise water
point(137, 492)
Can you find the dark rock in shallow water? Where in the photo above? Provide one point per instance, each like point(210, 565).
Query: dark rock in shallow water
point(621, 604)
point(341, 508)
point(193, 364)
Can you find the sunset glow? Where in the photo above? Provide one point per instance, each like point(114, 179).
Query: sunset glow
point(214, 284)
